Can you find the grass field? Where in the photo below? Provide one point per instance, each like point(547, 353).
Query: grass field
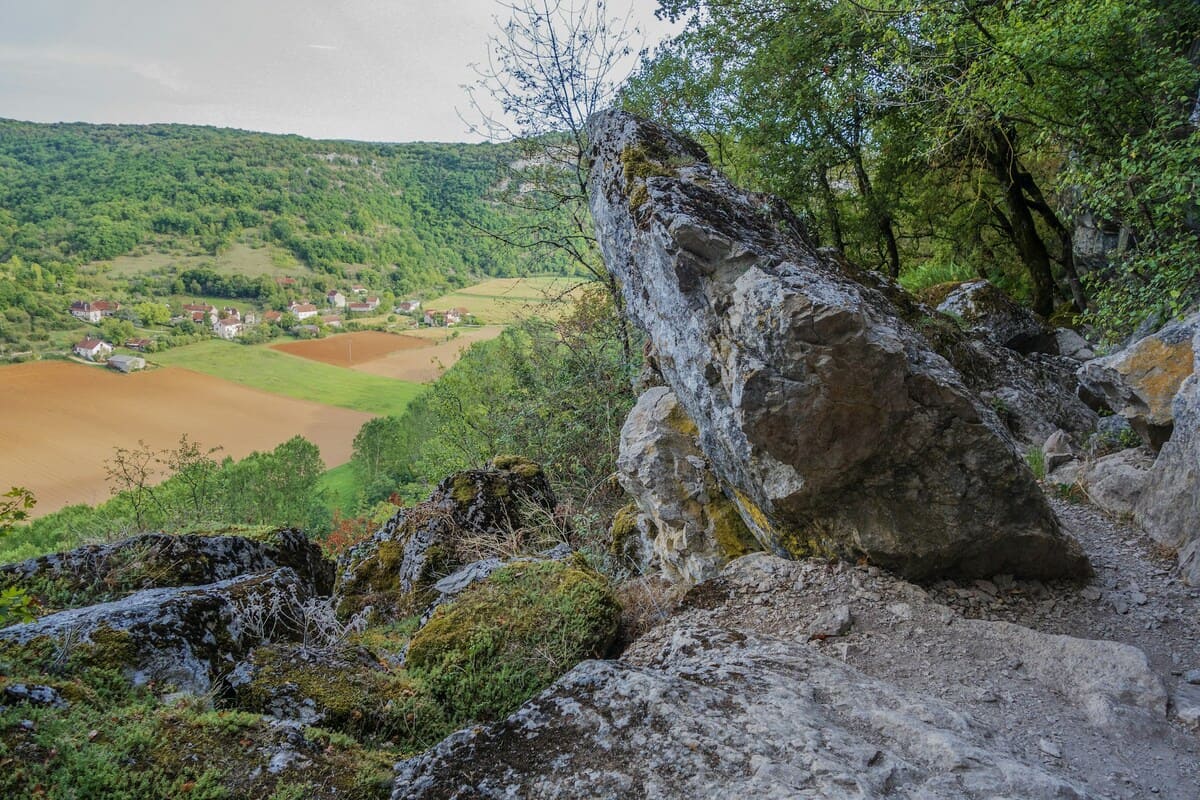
point(291, 376)
point(505, 300)
point(340, 485)
point(60, 421)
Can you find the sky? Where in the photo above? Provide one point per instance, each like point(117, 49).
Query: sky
point(372, 70)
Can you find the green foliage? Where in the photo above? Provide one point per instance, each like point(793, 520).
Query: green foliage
point(506, 639)
point(973, 134)
point(185, 489)
point(15, 604)
point(1036, 460)
point(555, 393)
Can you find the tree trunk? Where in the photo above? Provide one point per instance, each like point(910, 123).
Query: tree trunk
point(1002, 161)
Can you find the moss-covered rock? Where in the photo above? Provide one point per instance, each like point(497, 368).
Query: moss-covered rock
point(102, 573)
point(172, 637)
point(507, 638)
point(471, 515)
point(348, 691)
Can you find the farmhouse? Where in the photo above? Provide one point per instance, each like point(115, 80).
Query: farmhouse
point(335, 298)
point(447, 318)
point(272, 317)
point(126, 363)
point(228, 328)
point(302, 310)
point(358, 288)
point(141, 345)
point(408, 307)
point(360, 308)
point(93, 312)
point(92, 349)
point(199, 312)
point(332, 320)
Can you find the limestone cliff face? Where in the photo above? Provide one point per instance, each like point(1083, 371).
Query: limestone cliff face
point(828, 419)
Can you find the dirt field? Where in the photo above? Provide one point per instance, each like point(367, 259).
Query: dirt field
point(419, 356)
point(60, 421)
point(422, 365)
point(351, 349)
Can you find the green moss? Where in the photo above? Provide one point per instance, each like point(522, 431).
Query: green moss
point(521, 466)
point(509, 637)
point(463, 490)
point(109, 648)
point(624, 530)
point(356, 697)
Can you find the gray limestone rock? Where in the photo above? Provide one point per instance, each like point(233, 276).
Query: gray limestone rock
point(100, 572)
point(835, 426)
point(1169, 508)
point(660, 465)
point(989, 313)
point(1117, 481)
point(1140, 382)
point(1057, 450)
point(182, 637)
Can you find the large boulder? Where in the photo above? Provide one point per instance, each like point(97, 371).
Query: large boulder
point(660, 464)
point(1117, 481)
point(102, 572)
point(470, 515)
point(802, 679)
point(835, 425)
point(175, 637)
point(1169, 507)
point(1140, 382)
point(989, 313)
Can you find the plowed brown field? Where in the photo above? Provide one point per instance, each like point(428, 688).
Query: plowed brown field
point(60, 421)
point(418, 357)
point(351, 349)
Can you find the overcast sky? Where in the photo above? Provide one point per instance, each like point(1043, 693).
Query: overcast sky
point(376, 70)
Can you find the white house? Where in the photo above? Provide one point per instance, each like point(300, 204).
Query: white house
point(335, 298)
point(408, 307)
point(92, 349)
point(95, 311)
point(228, 328)
point(302, 310)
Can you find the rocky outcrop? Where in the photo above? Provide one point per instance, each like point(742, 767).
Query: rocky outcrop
point(988, 313)
point(180, 637)
point(469, 515)
point(661, 466)
point(893, 696)
point(1116, 482)
point(1140, 382)
point(101, 572)
point(835, 425)
point(1169, 508)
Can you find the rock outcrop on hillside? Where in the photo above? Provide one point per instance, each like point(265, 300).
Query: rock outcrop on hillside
point(801, 679)
point(989, 313)
point(98, 572)
point(182, 637)
point(469, 515)
point(830, 420)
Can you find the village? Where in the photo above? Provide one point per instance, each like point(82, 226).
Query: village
point(302, 318)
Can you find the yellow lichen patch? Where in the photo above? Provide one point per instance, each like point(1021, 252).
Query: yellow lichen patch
point(463, 490)
point(679, 421)
point(729, 530)
point(1157, 370)
point(516, 464)
point(624, 528)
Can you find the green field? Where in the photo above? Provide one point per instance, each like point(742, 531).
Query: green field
point(240, 259)
point(341, 487)
point(273, 371)
point(505, 300)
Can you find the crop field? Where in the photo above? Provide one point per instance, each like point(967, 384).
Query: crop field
point(261, 367)
point(350, 349)
point(442, 347)
point(505, 300)
point(60, 421)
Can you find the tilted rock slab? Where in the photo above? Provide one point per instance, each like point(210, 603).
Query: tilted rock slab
point(992, 314)
point(182, 637)
point(836, 427)
point(1169, 507)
